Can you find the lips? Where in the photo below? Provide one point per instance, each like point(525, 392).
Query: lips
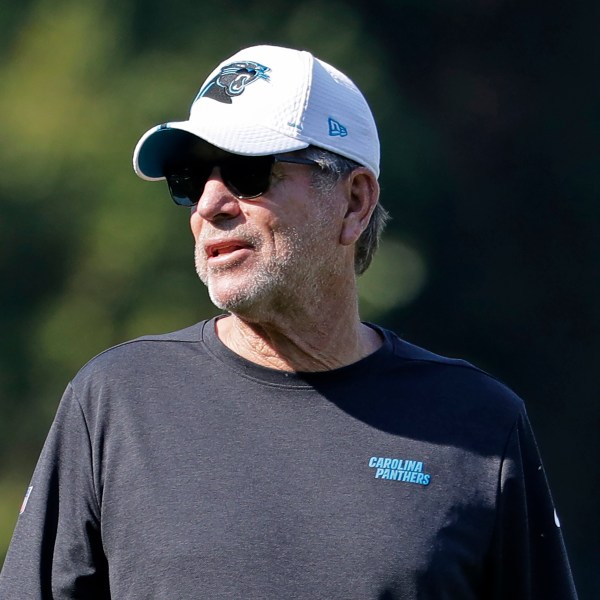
point(225, 247)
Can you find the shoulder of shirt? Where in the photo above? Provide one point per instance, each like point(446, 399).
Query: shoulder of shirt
point(452, 371)
point(144, 346)
point(408, 351)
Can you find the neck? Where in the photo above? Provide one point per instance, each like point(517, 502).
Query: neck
point(319, 339)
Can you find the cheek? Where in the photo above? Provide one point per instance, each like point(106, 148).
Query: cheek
point(195, 223)
point(290, 217)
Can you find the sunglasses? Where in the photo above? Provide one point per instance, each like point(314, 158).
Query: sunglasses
point(246, 177)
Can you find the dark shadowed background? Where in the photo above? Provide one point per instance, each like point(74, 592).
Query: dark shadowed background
point(489, 119)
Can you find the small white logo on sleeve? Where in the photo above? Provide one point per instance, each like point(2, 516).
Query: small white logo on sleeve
point(26, 499)
point(556, 521)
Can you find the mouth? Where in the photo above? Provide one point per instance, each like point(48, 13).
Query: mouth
point(225, 248)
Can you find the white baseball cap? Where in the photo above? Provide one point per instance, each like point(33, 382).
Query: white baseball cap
point(267, 100)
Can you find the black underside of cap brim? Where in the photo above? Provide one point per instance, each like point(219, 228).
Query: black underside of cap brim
point(166, 146)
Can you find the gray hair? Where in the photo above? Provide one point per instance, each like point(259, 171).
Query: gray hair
point(333, 169)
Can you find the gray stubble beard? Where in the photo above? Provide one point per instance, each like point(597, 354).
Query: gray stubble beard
point(269, 280)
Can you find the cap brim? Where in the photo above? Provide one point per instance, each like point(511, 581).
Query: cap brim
point(164, 143)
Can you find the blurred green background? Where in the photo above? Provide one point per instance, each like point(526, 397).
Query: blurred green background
point(488, 113)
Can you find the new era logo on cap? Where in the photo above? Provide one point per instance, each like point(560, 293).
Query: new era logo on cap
point(336, 128)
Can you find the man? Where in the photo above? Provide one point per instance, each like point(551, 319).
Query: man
point(285, 449)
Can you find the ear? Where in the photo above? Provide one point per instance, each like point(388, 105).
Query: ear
point(362, 192)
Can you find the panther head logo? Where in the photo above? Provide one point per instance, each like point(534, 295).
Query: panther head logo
point(232, 81)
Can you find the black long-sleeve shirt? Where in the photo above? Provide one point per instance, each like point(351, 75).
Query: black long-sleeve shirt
point(176, 469)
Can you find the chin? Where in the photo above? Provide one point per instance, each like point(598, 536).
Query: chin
point(241, 301)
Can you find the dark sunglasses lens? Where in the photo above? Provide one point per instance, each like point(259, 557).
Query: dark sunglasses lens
point(247, 176)
point(187, 184)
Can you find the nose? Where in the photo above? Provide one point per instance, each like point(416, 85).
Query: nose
point(217, 203)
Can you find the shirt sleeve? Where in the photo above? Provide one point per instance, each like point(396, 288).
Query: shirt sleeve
point(56, 550)
point(528, 558)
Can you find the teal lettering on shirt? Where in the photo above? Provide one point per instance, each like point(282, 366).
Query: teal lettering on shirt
point(399, 469)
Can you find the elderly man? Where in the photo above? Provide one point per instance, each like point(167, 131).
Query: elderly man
point(285, 449)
